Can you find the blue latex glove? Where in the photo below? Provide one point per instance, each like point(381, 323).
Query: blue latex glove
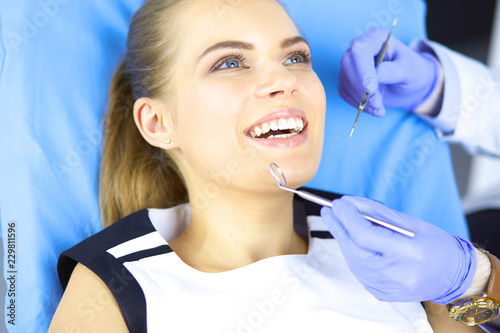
point(404, 79)
point(431, 266)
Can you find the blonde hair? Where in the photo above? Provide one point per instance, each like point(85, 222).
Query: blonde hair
point(134, 174)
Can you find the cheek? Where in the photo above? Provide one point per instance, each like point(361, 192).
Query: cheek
point(206, 117)
point(200, 110)
point(317, 97)
point(319, 94)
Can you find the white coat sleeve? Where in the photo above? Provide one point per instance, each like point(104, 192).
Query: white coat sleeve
point(470, 112)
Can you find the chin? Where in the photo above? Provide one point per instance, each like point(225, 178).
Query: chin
point(298, 175)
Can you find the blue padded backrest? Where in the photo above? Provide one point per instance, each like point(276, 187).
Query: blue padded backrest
point(57, 58)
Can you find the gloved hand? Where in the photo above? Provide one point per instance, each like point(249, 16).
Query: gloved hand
point(404, 79)
point(431, 266)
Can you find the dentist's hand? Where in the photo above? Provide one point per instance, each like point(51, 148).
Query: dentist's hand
point(404, 79)
point(431, 266)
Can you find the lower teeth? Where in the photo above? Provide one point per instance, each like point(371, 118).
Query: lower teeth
point(282, 136)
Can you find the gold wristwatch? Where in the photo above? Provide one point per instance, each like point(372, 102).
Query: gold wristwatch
point(478, 310)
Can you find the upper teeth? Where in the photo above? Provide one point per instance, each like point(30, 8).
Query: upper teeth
point(294, 124)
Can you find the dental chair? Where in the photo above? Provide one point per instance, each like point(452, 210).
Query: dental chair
point(57, 58)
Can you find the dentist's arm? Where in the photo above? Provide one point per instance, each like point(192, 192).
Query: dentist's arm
point(458, 96)
point(433, 266)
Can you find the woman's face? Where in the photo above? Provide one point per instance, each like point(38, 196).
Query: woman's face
point(246, 96)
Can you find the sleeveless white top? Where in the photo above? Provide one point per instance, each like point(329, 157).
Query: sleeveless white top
point(158, 292)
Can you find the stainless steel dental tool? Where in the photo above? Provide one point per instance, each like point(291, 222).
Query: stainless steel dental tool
point(325, 202)
point(366, 95)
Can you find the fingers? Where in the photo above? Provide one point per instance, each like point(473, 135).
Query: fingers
point(368, 235)
point(390, 72)
point(404, 79)
point(379, 210)
point(348, 92)
point(375, 105)
point(363, 79)
point(400, 69)
point(362, 55)
point(352, 252)
point(371, 41)
point(350, 227)
point(358, 73)
point(335, 227)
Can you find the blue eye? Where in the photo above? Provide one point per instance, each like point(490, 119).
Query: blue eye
point(230, 64)
point(299, 57)
point(294, 59)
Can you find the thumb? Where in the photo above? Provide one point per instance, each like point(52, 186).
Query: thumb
point(345, 222)
point(334, 226)
point(375, 105)
point(389, 72)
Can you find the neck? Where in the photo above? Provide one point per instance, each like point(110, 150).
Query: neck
point(233, 230)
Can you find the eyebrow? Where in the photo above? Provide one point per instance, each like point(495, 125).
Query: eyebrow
point(234, 44)
point(292, 41)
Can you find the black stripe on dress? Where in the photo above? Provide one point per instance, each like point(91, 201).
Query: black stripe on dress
point(321, 234)
point(162, 249)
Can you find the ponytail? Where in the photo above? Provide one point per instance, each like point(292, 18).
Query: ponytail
point(134, 174)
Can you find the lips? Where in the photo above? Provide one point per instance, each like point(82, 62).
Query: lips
point(284, 129)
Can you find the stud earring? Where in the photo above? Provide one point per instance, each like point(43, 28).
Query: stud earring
point(168, 141)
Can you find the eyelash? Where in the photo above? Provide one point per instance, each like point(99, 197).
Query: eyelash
point(306, 58)
point(233, 56)
point(306, 55)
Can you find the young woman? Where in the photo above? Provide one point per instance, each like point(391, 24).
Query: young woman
point(210, 93)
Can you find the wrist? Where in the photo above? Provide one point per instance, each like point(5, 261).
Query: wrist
point(481, 277)
point(432, 102)
point(462, 271)
point(484, 304)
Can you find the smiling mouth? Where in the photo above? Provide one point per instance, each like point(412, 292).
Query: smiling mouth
point(282, 128)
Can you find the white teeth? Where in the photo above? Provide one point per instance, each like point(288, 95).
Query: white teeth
point(274, 126)
point(291, 124)
point(283, 136)
point(282, 124)
point(265, 128)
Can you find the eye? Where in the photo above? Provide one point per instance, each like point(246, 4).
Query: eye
point(299, 57)
point(230, 64)
point(231, 61)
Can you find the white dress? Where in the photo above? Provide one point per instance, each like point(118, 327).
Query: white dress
point(158, 292)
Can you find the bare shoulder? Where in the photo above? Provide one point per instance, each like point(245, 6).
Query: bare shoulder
point(87, 306)
point(442, 323)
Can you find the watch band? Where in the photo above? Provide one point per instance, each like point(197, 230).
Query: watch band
point(481, 309)
point(493, 290)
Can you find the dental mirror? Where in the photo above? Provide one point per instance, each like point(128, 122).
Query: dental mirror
point(273, 166)
point(281, 180)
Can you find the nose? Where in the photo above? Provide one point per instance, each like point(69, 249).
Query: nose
point(276, 81)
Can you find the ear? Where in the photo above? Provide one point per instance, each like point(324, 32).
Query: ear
point(154, 124)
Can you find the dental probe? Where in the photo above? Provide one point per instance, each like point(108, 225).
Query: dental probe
point(366, 95)
point(325, 202)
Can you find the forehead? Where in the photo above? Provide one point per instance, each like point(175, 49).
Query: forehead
point(260, 22)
